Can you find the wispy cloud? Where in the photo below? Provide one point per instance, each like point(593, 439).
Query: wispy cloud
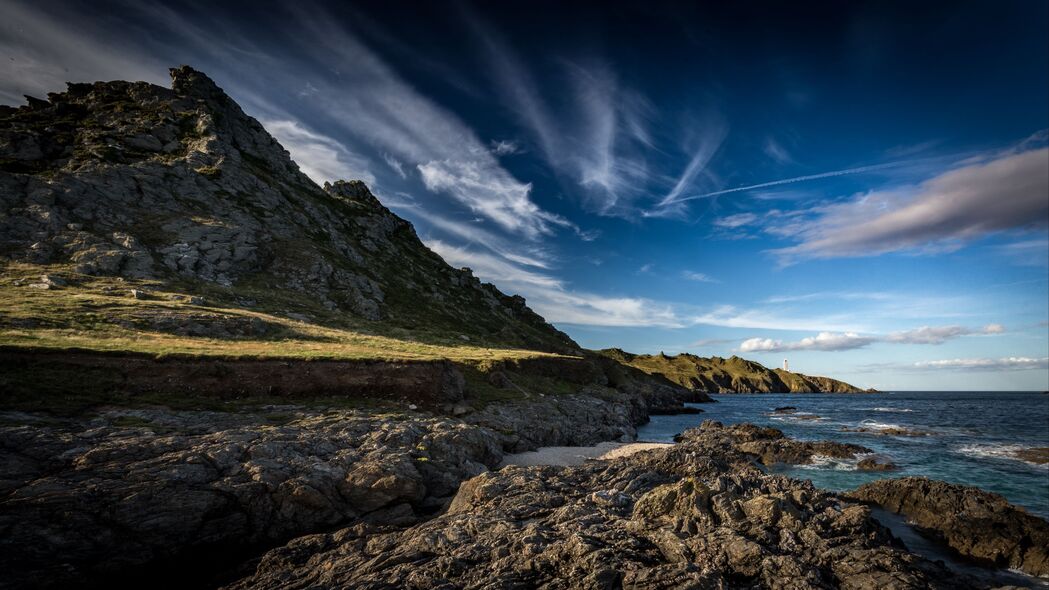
point(504, 147)
point(698, 277)
point(830, 341)
point(796, 179)
point(939, 334)
point(42, 53)
point(709, 141)
point(595, 133)
point(554, 300)
point(1002, 192)
point(734, 221)
point(395, 165)
point(1034, 252)
point(826, 341)
point(1012, 363)
point(774, 150)
point(320, 157)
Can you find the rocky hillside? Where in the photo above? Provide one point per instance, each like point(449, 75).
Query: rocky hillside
point(179, 191)
point(731, 375)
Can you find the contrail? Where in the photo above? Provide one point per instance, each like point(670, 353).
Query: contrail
point(845, 172)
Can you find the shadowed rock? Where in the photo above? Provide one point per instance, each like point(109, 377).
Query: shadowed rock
point(976, 524)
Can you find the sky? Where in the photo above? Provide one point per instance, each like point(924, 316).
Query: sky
point(861, 188)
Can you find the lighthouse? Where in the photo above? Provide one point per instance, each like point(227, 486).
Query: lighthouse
point(785, 366)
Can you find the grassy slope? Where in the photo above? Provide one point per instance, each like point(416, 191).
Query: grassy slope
point(731, 374)
point(99, 314)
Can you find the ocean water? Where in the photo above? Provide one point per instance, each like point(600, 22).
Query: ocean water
point(970, 436)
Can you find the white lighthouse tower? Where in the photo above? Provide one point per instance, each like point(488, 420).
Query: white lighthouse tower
point(785, 365)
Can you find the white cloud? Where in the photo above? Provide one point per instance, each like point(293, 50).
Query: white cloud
point(940, 334)
point(698, 277)
point(320, 157)
point(491, 193)
point(1006, 191)
point(737, 220)
point(827, 341)
point(1013, 363)
point(830, 341)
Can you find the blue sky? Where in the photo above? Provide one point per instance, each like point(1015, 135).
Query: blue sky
point(862, 188)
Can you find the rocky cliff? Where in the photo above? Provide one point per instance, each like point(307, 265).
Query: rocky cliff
point(179, 185)
point(731, 375)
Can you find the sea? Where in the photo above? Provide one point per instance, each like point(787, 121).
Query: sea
point(970, 436)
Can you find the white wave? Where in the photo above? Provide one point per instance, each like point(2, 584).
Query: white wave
point(799, 418)
point(825, 463)
point(894, 410)
point(880, 425)
point(998, 451)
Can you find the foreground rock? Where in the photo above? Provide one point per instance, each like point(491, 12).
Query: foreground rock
point(974, 523)
point(134, 491)
point(697, 515)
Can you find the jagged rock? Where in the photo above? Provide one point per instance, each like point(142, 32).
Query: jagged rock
point(653, 520)
point(977, 524)
point(178, 185)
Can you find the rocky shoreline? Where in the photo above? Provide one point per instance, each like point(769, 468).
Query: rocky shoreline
point(105, 499)
point(351, 498)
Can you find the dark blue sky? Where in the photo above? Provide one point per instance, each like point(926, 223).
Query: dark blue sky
point(860, 187)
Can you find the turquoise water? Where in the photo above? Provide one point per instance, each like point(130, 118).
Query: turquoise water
point(970, 436)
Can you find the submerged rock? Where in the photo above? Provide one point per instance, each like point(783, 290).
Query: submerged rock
point(1035, 455)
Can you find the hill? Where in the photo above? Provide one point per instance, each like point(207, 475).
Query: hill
point(731, 375)
point(157, 245)
point(145, 218)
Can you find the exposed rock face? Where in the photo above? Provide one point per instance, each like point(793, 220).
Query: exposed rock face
point(975, 523)
point(731, 375)
point(144, 182)
point(674, 518)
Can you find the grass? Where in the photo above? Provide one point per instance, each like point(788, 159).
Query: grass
point(99, 314)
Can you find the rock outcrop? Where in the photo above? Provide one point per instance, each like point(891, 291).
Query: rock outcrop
point(731, 375)
point(974, 523)
point(697, 515)
point(133, 180)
